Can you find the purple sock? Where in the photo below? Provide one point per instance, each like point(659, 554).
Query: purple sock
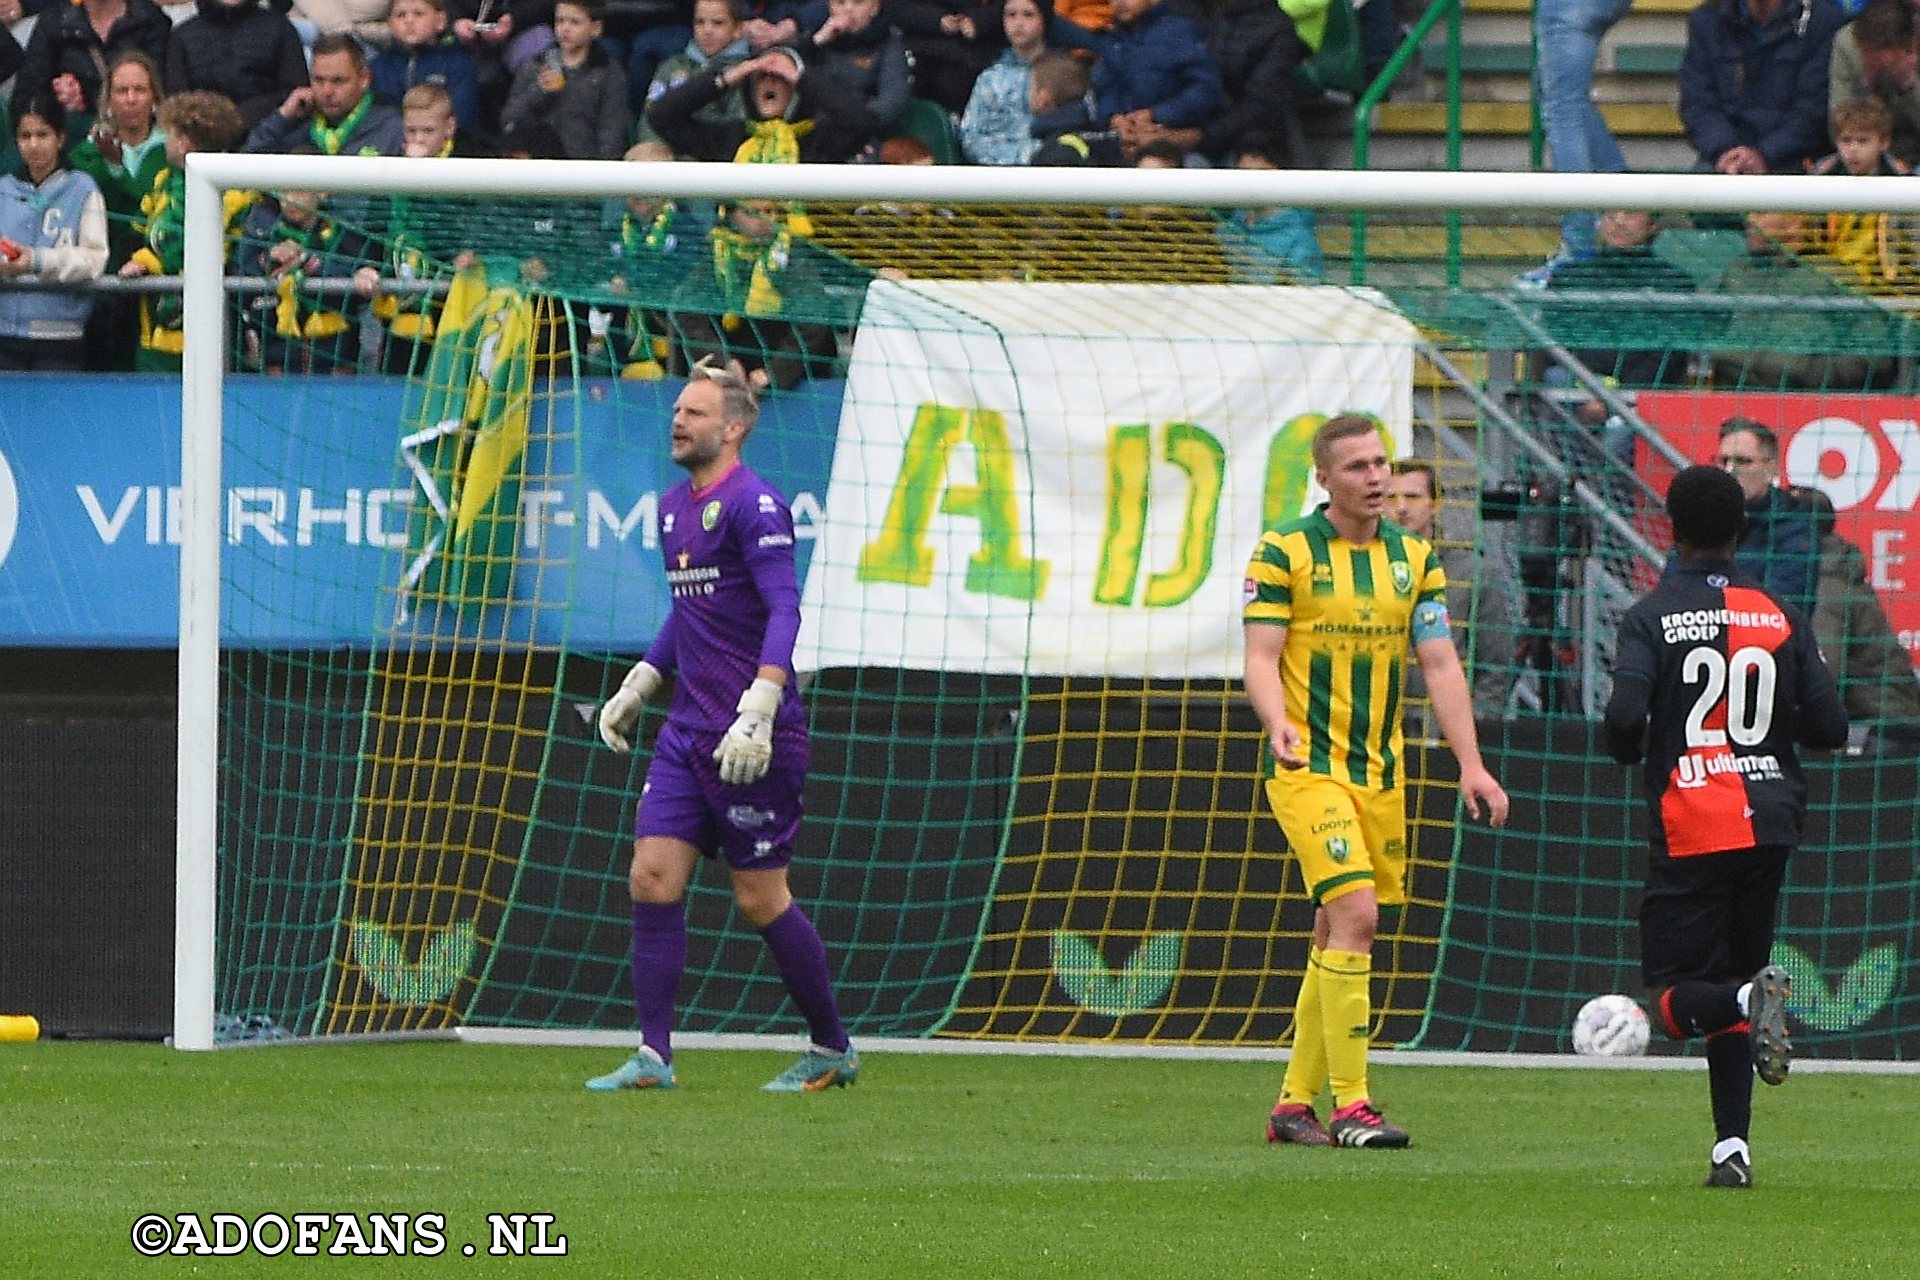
point(802, 960)
point(659, 957)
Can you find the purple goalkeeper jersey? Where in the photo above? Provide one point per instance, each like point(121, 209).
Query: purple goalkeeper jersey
point(736, 604)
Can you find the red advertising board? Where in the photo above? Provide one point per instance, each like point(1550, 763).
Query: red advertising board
point(1863, 451)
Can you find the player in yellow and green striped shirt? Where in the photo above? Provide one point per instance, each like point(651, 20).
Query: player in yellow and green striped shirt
point(1334, 600)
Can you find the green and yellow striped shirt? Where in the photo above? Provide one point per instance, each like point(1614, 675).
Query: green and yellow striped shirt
point(1351, 613)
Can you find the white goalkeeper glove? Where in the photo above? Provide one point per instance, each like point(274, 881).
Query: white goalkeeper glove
point(747, 749)
point(622, 712)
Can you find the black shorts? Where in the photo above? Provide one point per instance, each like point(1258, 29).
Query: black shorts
point(1710, 917)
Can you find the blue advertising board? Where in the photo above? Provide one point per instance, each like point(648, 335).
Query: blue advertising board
point(318, 501)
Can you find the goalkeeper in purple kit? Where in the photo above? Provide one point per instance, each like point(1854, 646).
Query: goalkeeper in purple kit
point(730, 763)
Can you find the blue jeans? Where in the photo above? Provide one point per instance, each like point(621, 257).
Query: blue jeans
point(1568, 34)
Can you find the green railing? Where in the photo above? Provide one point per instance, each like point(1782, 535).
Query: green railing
point(1363, 124)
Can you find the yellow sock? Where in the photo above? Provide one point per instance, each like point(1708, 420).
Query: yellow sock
point(1345, 977)
point(1307, 1066)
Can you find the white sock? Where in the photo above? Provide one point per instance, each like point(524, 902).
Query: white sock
point(1742, 995)
point(1730, 1147)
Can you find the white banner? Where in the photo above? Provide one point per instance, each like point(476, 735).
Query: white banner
point(1069, 479)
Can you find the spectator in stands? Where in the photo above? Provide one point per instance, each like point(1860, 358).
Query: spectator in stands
point(364, 20)
point(1414, 502)
point(1621, 344)
point(1779, 545)
point(654, 246)
point(336, 112)
point(244, 49)
point(1874, 669)
point(997, 125)
point(1753, 83)
point(291, 240)
point(422, 51)
point(792, 114)
point(501, 36)
point(124, 153)
point(1154, 80)
point(950, 43)
point(1275, 244)
point(1568, 35)
point(1065, 130)
point(755, 306)
point(867, 56)
point(719, 41)
point(197, 120)
point(53, 230)
point(1877, 246)
point(419, 233)
point(1255, 46)
point(574, 88)
point(72, 44)
point(1769, 345)
point(1874, 56)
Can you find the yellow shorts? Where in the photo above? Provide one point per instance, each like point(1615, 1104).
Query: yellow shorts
point(1345, 837)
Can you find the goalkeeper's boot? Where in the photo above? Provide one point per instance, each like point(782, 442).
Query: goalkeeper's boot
point(1360, 1124)
point(818, 1070)
point(1767, 1023)
point(1734, 1171)
point(1295, 1122)
point(643, 1070)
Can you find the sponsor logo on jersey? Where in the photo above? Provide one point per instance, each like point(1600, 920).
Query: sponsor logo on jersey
point(710, 515)
point(775, 540)
point(1697, 770)
point(748, 817)
point(767, 505)
point(9, 508)
point(666, 523)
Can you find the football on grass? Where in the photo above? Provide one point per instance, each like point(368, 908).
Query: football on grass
point(1612, 1026)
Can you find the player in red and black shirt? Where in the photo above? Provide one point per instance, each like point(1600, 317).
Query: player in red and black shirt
point(1714, 684)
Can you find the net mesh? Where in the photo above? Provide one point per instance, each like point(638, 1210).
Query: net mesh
point(1032, 814)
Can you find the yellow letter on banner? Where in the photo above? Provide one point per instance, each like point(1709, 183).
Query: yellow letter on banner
point(901, 554)
point(1129, 459)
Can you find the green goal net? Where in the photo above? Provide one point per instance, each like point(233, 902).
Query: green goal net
point(1029, 450)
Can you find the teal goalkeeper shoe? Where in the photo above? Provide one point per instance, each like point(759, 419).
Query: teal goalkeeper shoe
point(818, 1070)
point(643, 1070)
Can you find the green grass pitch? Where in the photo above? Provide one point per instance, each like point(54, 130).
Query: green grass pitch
point(943, 1166)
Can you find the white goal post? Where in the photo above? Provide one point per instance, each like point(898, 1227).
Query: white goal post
point(209, 175)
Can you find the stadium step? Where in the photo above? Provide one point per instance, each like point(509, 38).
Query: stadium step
point(1626, 119)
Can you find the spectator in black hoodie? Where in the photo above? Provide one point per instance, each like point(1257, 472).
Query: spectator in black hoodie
point(240, 48)
point(782, 94)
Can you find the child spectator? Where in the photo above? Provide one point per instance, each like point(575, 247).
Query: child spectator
point(1877, 246)
point(867, 57)
point(654, 245)
point(53, 229)
point(290, 240)
point(1272, 245)
point(719, 42)
point(1064, 129)
point(423, 52)
point(1781, 348)
point(1875, 56)
point(573, 88)
point(793, 114)
point(198, 120)
point(241, 48)
point(997, 126)
point(757, 304)
point(1154, 80)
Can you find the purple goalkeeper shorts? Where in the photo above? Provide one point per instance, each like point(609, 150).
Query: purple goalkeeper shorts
point(752, 826)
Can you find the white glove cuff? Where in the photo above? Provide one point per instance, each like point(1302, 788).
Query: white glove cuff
point(643, 681)
point(762, 696)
